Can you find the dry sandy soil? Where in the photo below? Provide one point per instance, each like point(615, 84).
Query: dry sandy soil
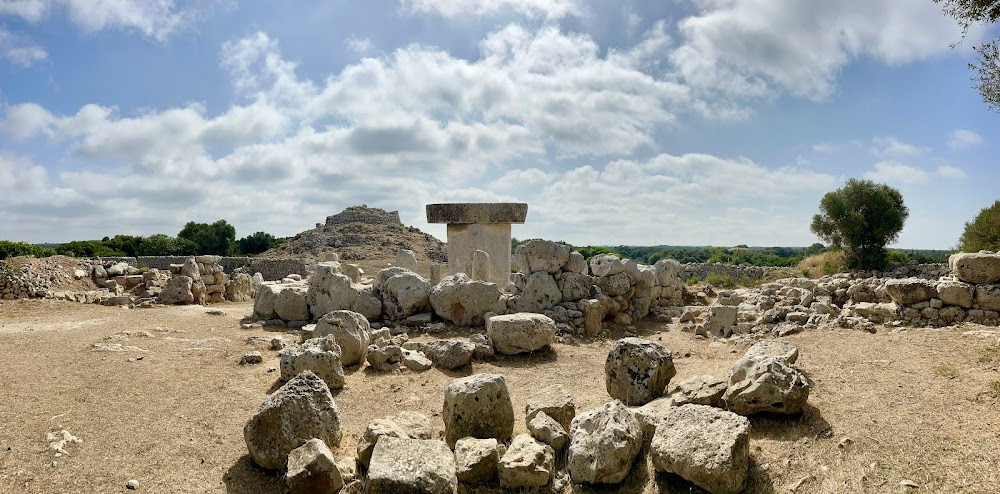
point(914, 406)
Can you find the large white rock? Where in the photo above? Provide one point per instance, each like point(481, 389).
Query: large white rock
point(312, 469)
point(330, 290)
point(478, 406)
point(198, 288)
point(606, 265)
point(576, 263)
point(520, 333)
point(177, 291)
point(412, 466)
point(956, 293)
point(540, 255)
point(705, 445)
point(368, 305)
point(766, 384)
point(637, 371)
point(405, 424)
point(909, 291)
point(319, 355)
point(527, 463)
point(787, 352)
point(603, 444)
point(240, 288)
point(554, 401)
point(449, 354)
point(477, 460)
point(298, 411)
point(721, 320)
point(548, 431)
point(407, 259)
point(975, 268)
point(263, 300)
point(700, 390)
point(463, 301)
point(404, 295)
point(575, 286)
point(352, 332)
point(540, 292)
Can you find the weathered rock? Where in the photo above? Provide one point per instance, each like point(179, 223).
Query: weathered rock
point(330, 290)
point(705, 445)
point(177, 291)
point(554, 401)
point(548, 431)
point(576, 263)
point(909, 291)
point(988, 296)
point(404, 295)
point(416, 424)
point(377, 429)
point(417, 466)
point(700, 390)
point(319, 355)
point(484, 347)
point(527, 463)
point(575, 286)
point(450, 354)
point(975, 267)
point(766, 384)
point(637, 371)
point(405, 258)
point(477, 460)
point(463, 301)
point(251, 358)
point(478, 406)
point(540, 292)
point(783, 350)
point(649, 415)
point(540, 255)
point(300, 410)
point(351, 330)
point(594, 312)
point(720, 320)
point(606, 265)
point(416, 361)
point(312, 469)
point(240, 288)
point(956, 293)
point(520, 333)
point(198, 288)
point(384, 357)
point(367, 304)
point(603, 444)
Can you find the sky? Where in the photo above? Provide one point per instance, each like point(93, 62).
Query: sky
point(677, 122)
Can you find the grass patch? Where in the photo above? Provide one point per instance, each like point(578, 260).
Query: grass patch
point(995, 389)
point(991, 354)
point(946, 371)
point(827, 263)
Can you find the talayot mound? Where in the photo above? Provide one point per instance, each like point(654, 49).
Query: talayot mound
point(361, 232)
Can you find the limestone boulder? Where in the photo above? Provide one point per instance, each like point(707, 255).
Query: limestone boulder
point(707, 446)
point(330, 290)
point(312, 469)
point(786, 352)
point(603, 444)
point(377, 429)
point(555, 402)
point(721, 320)
point(463, 301)
point(300, 410)
point(367, 304)
point(540, 292)
point(351, 331)
point(988, 296)
point(404, 295)
point(417, 466)
point(177, 291)
point(766, 384)
point(547, 430)
point(575, 286)
point(198, 288)
point(477, 460)
point(540, 255)
point(637, 371)
point(240, 288)
point(407, 259)
point(668, 272)
point(290, 302)
point(606, 265)
point(478, 406)
point(908, 291)
point(649, 415)
point(521, 332)
point(450, 354)
point(319, 355)
point(956, 293)
point(266, 294)
point(576, 263)
point(700, 390)
point(527, 463)
point(975, 268)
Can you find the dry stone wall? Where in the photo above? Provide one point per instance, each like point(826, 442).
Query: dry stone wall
point(364, 214)
point(701, 270)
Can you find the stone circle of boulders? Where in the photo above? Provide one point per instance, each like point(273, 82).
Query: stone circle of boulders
point(637, 371)
point(478, 406)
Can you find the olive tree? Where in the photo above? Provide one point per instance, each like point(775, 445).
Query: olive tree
point(861, 218)
point(982, 233)
point(970, 13)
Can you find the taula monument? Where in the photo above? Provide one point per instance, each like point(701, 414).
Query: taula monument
point(481, 227)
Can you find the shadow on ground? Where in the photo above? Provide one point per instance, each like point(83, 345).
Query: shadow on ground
point(245, 477)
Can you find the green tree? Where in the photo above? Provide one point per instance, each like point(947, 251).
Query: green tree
point(87, 248)
point(14, 249)
point(256, 243)
point(165, 245)
point(980, 12)
point(217, 238)
point(861, 218)
point(127, 244)
point(983, 232)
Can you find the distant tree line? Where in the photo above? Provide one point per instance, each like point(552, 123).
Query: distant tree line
point(217, 238)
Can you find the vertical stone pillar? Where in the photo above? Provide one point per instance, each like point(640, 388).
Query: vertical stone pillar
point(479, 226)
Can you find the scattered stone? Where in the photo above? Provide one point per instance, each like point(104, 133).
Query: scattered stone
point(463, 301)
point(132, 485)
point(300, 410)
point(521, 332)
point(417, 466)
point(910, 291)
point(527, 463)
point(700, 390)
point(555, 402)
point(251, 358)
point(450, 354)
point(637, 371)
point(477, 460)
point(548, 431)
point(786, 352)
point(278, 343)
point(351, 331)
point(322, 356)
point(377, 429)
point(416, 361)
point(603, 444)
point(312, 469)
point(705, 445)
point(478, 406)
point(766, 384)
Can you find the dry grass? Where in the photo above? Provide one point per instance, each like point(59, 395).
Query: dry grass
point(880, 411)
point(823, 264)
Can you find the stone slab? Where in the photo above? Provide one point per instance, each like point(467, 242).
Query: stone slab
point(477, 212)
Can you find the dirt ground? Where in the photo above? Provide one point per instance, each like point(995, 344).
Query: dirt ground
point(887, 410)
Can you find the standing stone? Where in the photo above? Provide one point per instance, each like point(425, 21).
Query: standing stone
point(479, 226)
point(405, 258)
point(554, 401)
point(313, 469)
point(637, 371)
point(351, 331)
point(481, 266)
point(412, 466)
point(603, 444)
point(527, 463)
point(477, 459)
point(300, 410)
point(705, 445)
point(478, 406)
point(520, 333)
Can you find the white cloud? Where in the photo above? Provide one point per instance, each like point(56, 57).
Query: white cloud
point(823, 147)
point(19, 51)
point(896, 173)
point(29, 10)
point(155, 19)
point(19, 176)
point(360, 46)
point(551, 9)
point(950, 172)
point(890, 146)
point(754, 48)
point(963, 139)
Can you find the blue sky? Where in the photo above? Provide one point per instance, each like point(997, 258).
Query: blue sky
point(688, 122)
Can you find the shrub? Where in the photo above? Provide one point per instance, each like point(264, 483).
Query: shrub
point(722, 281)
point(692, 281)
point(861, 218)
point(983, 232)
point(14, 249)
